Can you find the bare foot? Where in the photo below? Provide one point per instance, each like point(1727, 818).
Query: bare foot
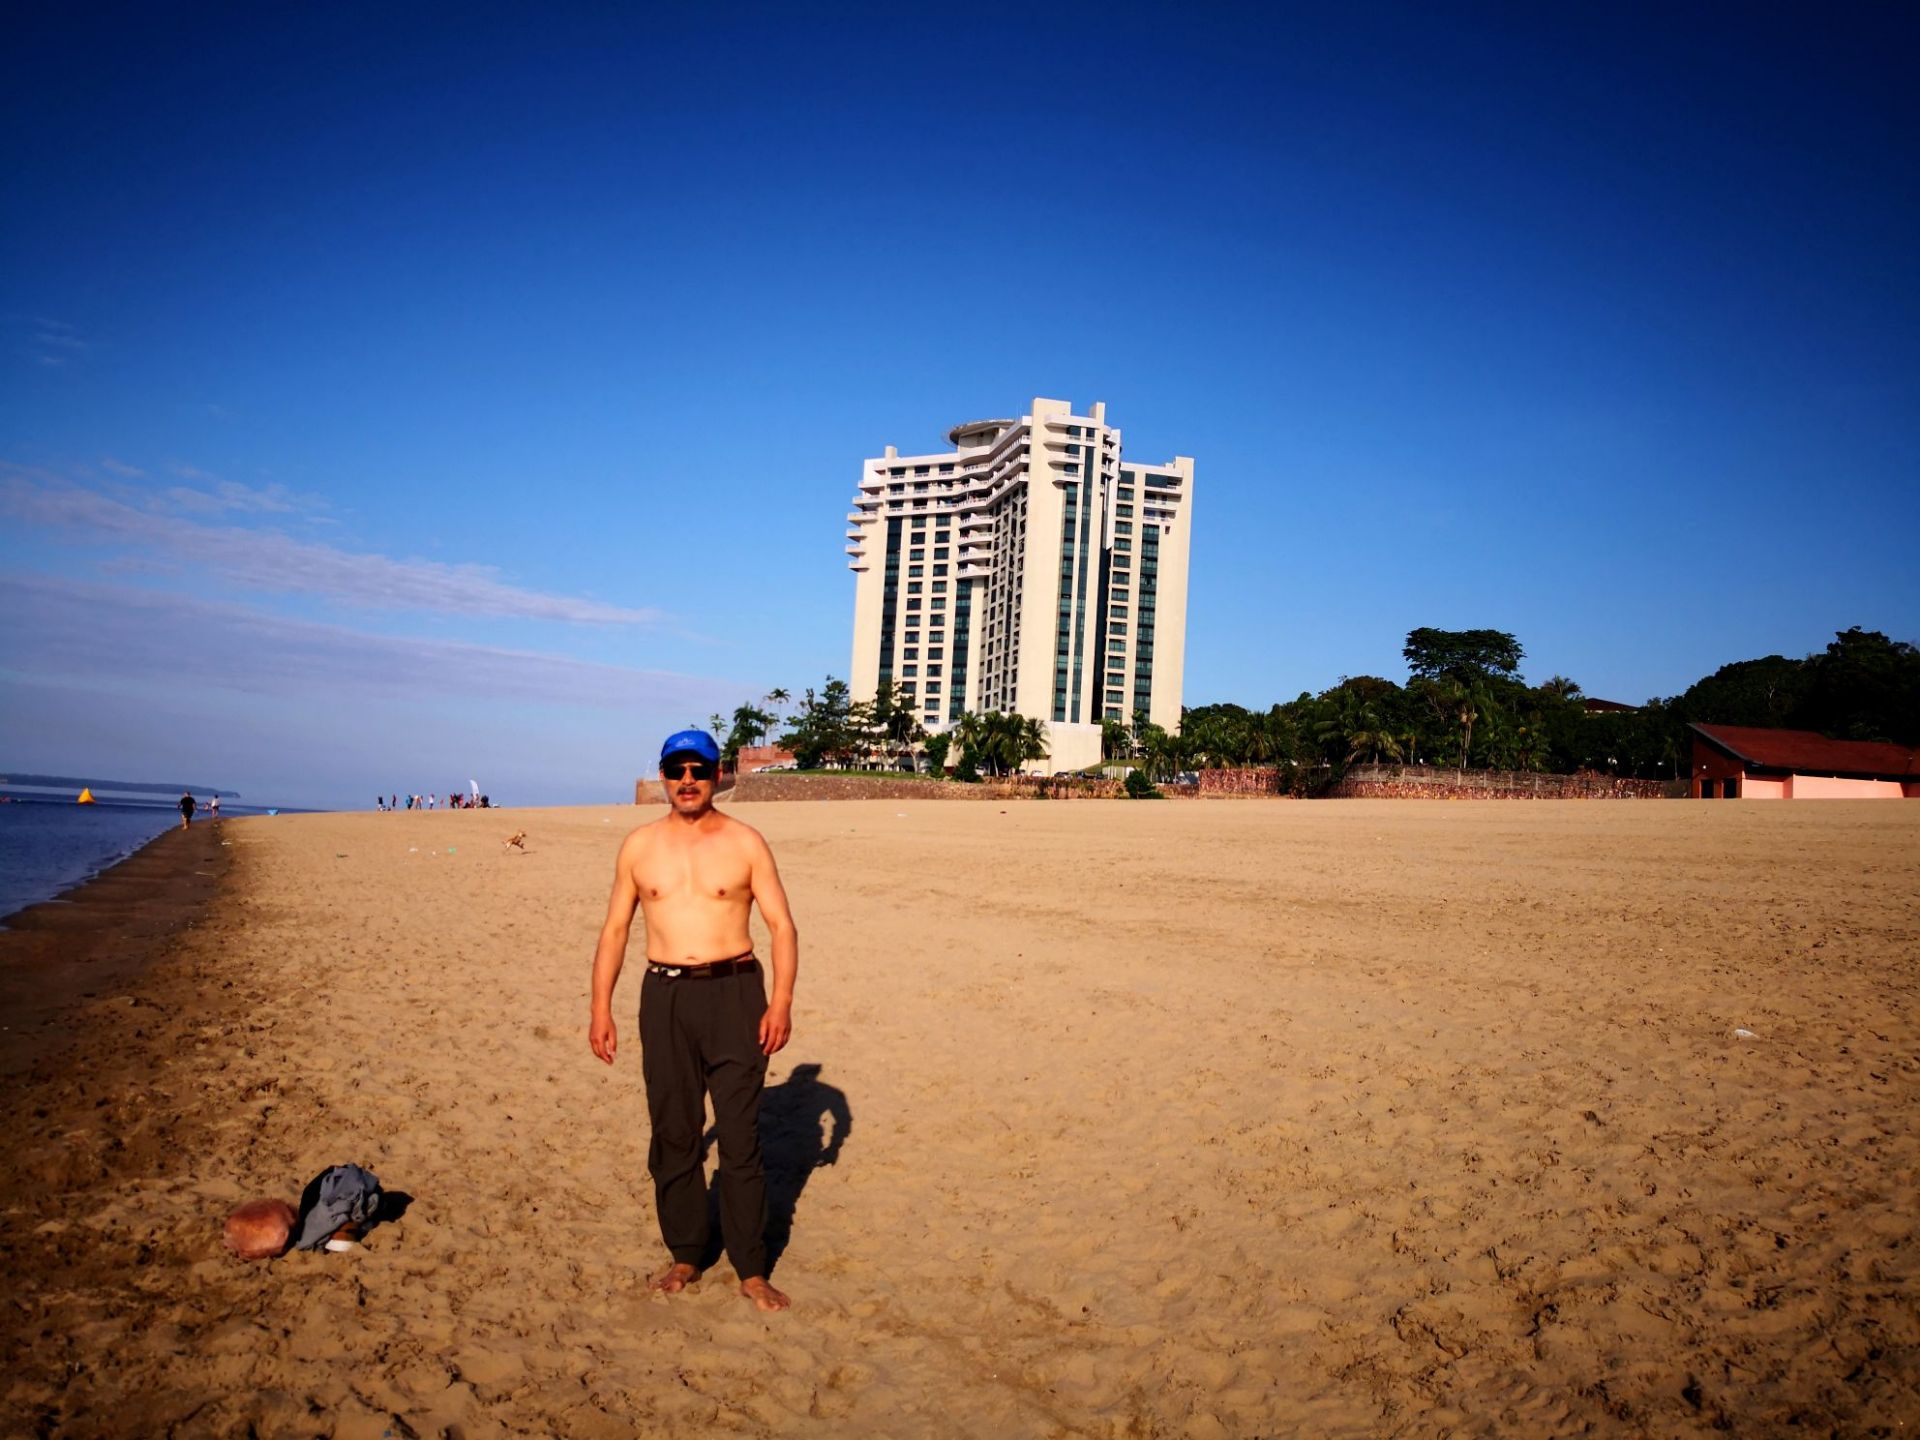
point(675, 1278)
point(764, 1295)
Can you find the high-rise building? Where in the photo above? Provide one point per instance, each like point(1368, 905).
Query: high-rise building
point(1030, 568)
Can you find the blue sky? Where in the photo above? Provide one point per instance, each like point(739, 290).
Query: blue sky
point(392, 399)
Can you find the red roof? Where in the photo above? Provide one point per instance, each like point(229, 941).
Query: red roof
point(1807, 752)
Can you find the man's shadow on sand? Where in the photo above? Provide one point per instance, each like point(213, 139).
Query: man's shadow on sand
point(794, 1117)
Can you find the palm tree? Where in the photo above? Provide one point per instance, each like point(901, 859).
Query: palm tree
point(971, 732)
point(1466, 702)
point(749, 725)
point(1114, 739)
point(1153, 746)
point(1029, 738)
point(1561, 688)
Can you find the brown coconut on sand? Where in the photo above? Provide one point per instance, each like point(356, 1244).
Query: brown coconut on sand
point(260, 1229)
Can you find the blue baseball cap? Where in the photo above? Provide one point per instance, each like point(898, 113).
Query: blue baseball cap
point(691, 742)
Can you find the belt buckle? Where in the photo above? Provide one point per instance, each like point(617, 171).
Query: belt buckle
point(672, 972)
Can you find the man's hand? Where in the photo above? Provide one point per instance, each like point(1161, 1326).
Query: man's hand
point(776, 1028)
point(601, 1037)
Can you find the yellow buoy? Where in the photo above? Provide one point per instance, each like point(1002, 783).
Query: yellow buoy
point(86, 797)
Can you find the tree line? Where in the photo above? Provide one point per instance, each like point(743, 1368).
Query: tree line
point(828, 728)
point(1464, 705)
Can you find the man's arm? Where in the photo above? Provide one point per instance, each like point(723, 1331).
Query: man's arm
point(611, 953)
point(776, 1026)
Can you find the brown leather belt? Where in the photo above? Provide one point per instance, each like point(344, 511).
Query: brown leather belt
point(738, 965)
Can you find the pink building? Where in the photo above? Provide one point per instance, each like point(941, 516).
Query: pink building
point(1745, 762)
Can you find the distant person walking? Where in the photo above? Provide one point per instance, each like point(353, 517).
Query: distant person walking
point(707, 1024)
point(186, 809)
point(213, 806)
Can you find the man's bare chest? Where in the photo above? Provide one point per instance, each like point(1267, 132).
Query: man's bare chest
point(710, 876)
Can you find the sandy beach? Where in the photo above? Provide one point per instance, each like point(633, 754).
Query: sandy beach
point(1100, 1119)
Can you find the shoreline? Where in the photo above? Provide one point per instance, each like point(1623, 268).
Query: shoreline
point(102, 935)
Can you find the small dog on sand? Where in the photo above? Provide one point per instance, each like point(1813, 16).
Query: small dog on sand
point(518, 840)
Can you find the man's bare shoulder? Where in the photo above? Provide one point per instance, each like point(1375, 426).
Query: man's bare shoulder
point(642, 838)
point(740, 833)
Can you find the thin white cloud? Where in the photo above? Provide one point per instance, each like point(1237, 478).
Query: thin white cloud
point(272, 562)
point(69, 630)
point(121, 468)
point(54, 342)
point(223, 497)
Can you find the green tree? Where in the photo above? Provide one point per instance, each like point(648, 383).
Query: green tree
point(820, 732)
point(1466, 702)
point(1765, 692)
point(749, 727)
point(1465, 656)
point(777, 699)
point(1000, 742)
point(1865, 687)
point(937, 748)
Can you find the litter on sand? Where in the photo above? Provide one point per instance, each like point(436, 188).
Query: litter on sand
point(336, 1208)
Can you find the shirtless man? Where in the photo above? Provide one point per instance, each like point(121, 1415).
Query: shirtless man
point(706, 1025)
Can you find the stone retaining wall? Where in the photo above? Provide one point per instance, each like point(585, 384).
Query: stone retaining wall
point(1422, 782)
point(851, 786)
point(1248, 782)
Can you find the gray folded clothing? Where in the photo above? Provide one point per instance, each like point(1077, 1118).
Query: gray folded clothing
point(339, 1195)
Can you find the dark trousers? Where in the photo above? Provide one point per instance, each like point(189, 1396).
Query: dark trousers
point(700, 1038)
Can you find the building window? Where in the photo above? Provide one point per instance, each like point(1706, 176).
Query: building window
point(911, 654)
point(913, 587)
point(936, 654)
point(1126, 510)
point(1123, 527)
point(913, 604)
point(916, 569)
point(920, 523)
point(909, 669)
point(941, 553)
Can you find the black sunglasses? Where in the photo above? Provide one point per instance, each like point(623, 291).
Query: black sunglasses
point(680, 769)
